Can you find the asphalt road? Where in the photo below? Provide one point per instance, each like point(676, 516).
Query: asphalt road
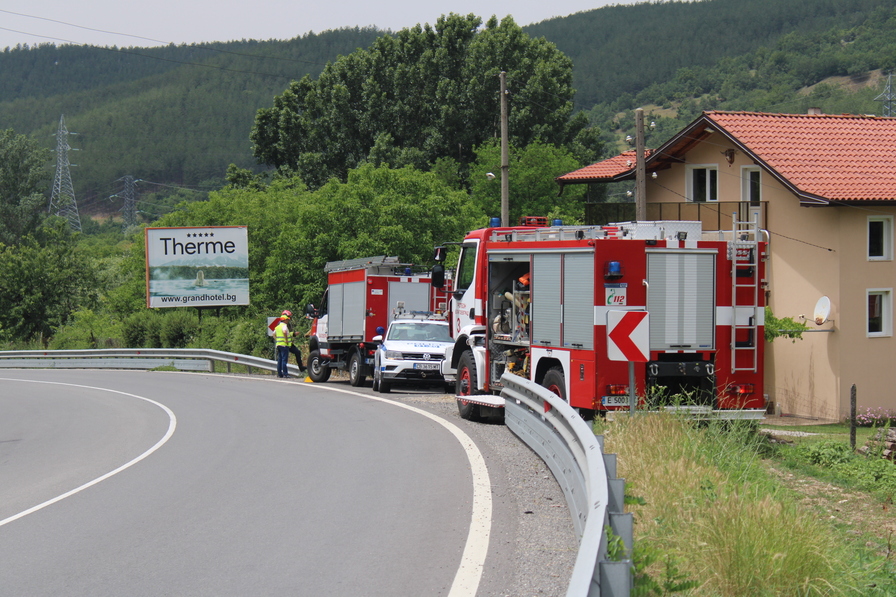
point(186, 484)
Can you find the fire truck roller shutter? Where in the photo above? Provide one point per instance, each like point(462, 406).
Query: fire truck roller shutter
point(347, 309)
point(546, 299)
point(414, 294)
point(681, 299)
point(578, 301)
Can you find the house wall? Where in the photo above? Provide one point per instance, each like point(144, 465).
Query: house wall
point(867, 362)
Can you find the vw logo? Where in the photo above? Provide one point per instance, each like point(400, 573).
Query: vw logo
point(426, 356)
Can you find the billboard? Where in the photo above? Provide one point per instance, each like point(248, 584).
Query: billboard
point(197, 267)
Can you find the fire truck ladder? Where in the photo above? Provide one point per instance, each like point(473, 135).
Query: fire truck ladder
point(743, 251)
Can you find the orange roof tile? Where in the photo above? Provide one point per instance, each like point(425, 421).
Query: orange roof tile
point(608, 169)
point(836, 157)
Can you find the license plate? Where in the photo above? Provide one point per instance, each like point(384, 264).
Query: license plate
point(614, 401)
point(428, 366)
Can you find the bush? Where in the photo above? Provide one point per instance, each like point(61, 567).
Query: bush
point(87, 329)
point(249, 337)
point(142, 330)
point(178, 328)
point(827, 453)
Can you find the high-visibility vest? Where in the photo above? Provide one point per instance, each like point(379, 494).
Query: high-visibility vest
point(281, 334)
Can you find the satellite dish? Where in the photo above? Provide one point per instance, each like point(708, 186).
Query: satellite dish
point(822, 310)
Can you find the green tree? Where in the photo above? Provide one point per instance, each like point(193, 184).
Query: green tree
point(41, 285)
point(23, 180)
point(533, 191)
point(412, 98)
point(377, 211)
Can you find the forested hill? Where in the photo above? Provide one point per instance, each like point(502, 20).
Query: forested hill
point(624, 49)
point(178, 115)
point(174, 115)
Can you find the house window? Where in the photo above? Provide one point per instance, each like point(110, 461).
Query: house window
point(880, 312)
point(751, 190)
point(880, 238)
point(703, 183)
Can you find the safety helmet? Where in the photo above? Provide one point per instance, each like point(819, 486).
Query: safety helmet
point(286, 313)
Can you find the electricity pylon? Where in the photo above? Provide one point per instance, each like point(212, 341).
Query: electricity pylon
point(62, 199)
point(129, 211)
point(887, 96)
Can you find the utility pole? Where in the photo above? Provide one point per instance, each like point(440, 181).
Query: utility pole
point(505, 155)
point(62, 199)
point(640, 169)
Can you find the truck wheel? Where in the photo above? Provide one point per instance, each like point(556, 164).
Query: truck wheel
point(356, 375)
point(466, 386)
point(318, 371)
point(554, 382)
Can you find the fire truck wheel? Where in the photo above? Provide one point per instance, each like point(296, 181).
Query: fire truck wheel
point(356, 375)
point(318, 371)
point(466, 386)
point(554, 382)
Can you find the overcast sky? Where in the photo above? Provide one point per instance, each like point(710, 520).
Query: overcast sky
point(150, 23)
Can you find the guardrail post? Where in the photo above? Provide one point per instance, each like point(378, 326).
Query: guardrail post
point(616, 578)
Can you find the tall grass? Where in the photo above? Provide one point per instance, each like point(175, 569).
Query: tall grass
point(710, 508)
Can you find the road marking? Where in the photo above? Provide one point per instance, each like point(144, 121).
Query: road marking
point(466, 581)
point(172, 424)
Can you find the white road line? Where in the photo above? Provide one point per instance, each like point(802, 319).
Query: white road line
point(172, 424)
point(466, 581)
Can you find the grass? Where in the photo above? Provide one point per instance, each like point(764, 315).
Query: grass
point(714, 514)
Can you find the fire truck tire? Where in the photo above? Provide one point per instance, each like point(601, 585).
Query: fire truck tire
point(466, 386)
point(553, 381)
point(356, 375)
point(318, 371)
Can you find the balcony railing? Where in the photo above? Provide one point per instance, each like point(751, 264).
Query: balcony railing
point(715, 215)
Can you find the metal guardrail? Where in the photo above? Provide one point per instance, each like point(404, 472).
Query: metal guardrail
point(133, 358)
point(556, 432)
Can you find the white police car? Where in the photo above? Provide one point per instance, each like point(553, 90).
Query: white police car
point(411, 352)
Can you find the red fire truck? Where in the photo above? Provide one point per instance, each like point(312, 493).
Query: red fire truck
point(361, 297)
point(535, 301)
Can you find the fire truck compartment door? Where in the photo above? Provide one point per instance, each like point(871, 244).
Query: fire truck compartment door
point(346, 309)
point(546, 301)
point(681, 299)
point(414, 294)
point(578, 301)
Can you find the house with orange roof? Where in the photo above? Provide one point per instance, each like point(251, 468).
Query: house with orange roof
point(824, 187)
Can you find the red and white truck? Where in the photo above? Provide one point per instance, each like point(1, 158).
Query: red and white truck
point(536, 300)
point(361, 298)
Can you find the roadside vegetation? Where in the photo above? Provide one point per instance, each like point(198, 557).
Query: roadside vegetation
point(722, 509)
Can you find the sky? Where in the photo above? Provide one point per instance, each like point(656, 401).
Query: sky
point(146, 23)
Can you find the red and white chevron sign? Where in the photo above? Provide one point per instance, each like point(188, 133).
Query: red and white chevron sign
point(628, 336)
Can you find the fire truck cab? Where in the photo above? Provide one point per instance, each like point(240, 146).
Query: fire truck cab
point(534, 301)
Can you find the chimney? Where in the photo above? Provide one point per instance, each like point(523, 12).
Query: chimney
point(814, 111)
